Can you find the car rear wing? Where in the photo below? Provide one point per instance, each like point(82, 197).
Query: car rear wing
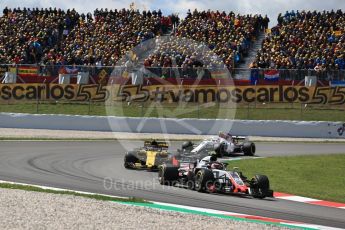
point(156, 144)
point(239, 138)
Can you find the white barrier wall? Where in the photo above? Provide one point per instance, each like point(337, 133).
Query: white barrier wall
point(175, 126)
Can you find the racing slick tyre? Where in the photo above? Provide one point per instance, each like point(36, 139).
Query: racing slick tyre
point(191, 180)
point(261, 186)
point(187, 145)
point(249, 148)
point(129, 160)
point(202, 178)
point(220, 150)
point(167, 175)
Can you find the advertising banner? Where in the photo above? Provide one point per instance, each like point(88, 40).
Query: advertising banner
point(175, 93)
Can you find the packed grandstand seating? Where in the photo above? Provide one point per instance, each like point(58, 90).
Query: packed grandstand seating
point(27, 35)
point(227, 35)
point(53, 36)
point(305, 40)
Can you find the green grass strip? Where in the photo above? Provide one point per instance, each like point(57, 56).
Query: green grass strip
point(270, 111)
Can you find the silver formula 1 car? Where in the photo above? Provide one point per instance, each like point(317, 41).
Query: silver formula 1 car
point(223, 145)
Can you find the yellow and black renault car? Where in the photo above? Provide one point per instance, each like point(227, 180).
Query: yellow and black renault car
point(153, 154)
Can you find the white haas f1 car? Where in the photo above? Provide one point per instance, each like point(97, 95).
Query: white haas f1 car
point(211, 176)
point(223, 144)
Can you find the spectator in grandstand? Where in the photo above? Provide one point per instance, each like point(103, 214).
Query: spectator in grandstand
point(175, 20)
point(265, 22)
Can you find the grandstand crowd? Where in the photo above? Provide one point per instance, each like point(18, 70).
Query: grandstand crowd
point(300, 40)
point(305, 40)
point(55, 36)
point(227, 35)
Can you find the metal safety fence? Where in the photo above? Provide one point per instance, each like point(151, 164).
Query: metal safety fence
point(28, 72)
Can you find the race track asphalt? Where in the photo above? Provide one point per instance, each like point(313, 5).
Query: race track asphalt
point(97, 166)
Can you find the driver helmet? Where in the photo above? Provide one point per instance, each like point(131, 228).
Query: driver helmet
point(154, 143)
point(213, 158)
point(221, 134)
point(228, 136)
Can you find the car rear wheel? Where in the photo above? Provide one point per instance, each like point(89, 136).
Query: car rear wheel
point(260, 187)
point(191, 180)
point(167, 175)
point(220, 150)
point(249, 148)
point(202, 179)
point(129, 160)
